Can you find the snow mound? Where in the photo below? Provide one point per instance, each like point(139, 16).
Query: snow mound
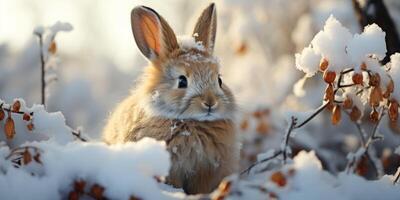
point(124, 170)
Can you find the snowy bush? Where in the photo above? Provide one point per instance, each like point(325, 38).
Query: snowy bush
point(40, 156)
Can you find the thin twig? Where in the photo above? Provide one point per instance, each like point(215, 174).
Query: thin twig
point(366, 144)
point(397, 176)
point(13, 111)
point(42, 70)
point(287, 135)
point(248, 169)
point(78, 135)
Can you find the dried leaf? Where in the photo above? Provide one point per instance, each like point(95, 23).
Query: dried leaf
point(393, 110)
point(224, 187)
point(357, 78)
point(278, 178)
point(329, 76)
point(53, 47)
point(26, 157)
point(375, 80)
point(336, 115)
point(390, 86)
point(2, 114)
point(362, 167)
point(242, 49)
point(355, 114)
point(374, 116)
point(291, 172)
point(134, 198)
point(79, 186)
point(348, 103)
point(97, 191)
point(330, 106)
point(244, 125)
point(9, 128)
point(16, 106)
point(329, 93)
point(30, 126)
point(272, 195)
point(36, 158)
point(375, 97)
point(323, 64)
point(262, 127)
point(363, 66)
point(73, 195)
point(26, 117)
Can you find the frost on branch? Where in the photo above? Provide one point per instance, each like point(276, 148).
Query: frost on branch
point(32, 124)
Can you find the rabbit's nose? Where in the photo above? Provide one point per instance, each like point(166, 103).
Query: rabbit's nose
point(209, 105)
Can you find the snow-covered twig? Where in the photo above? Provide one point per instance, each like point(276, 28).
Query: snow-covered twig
point(42, 69)
point(396, 176)
point(78, 135)
point(10, 110)
point(248, 169)
point(366, 145)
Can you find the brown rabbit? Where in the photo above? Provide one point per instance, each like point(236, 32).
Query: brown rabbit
point(182, 101)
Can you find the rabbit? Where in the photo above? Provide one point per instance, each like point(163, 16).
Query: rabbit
point(181, 100)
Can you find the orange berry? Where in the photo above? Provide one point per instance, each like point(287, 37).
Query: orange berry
point(393, 110)
point(30, 127)
point(9, 128)
point(2, 114)
point(329, 93)
point(73, 195)
point(262, 127)
point(357, 78)
point(26, 157)
point(375, 97)
point(329, 76)
point(374, 116)
point(323, 64)
point(53, 47)
point(97, 191)
point(79, 186)
point(278, 178)
point(375, 80)
point(355, 114)
point(363, 66)
point(336, 115)
point(16, 106)
point(26, 117)
point(348, 103)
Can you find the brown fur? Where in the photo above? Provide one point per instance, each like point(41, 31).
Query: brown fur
point(203, 152)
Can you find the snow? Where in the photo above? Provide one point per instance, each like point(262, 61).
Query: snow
point(397, 151)
point(155, 96)
point(308, 61)
point(265, 155)
point(395, 74)
point(371, 42)
point(188, 42)
point(124, 170)
point(47, 126)
point(185, 133)
point(331, 43)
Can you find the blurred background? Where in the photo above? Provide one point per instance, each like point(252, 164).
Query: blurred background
point(98, 62)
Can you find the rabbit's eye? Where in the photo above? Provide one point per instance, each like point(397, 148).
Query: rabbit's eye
point(219, 81)
point(182, 82)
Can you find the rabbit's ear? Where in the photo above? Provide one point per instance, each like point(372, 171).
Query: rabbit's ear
point(152, 34)
point(206, 27)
